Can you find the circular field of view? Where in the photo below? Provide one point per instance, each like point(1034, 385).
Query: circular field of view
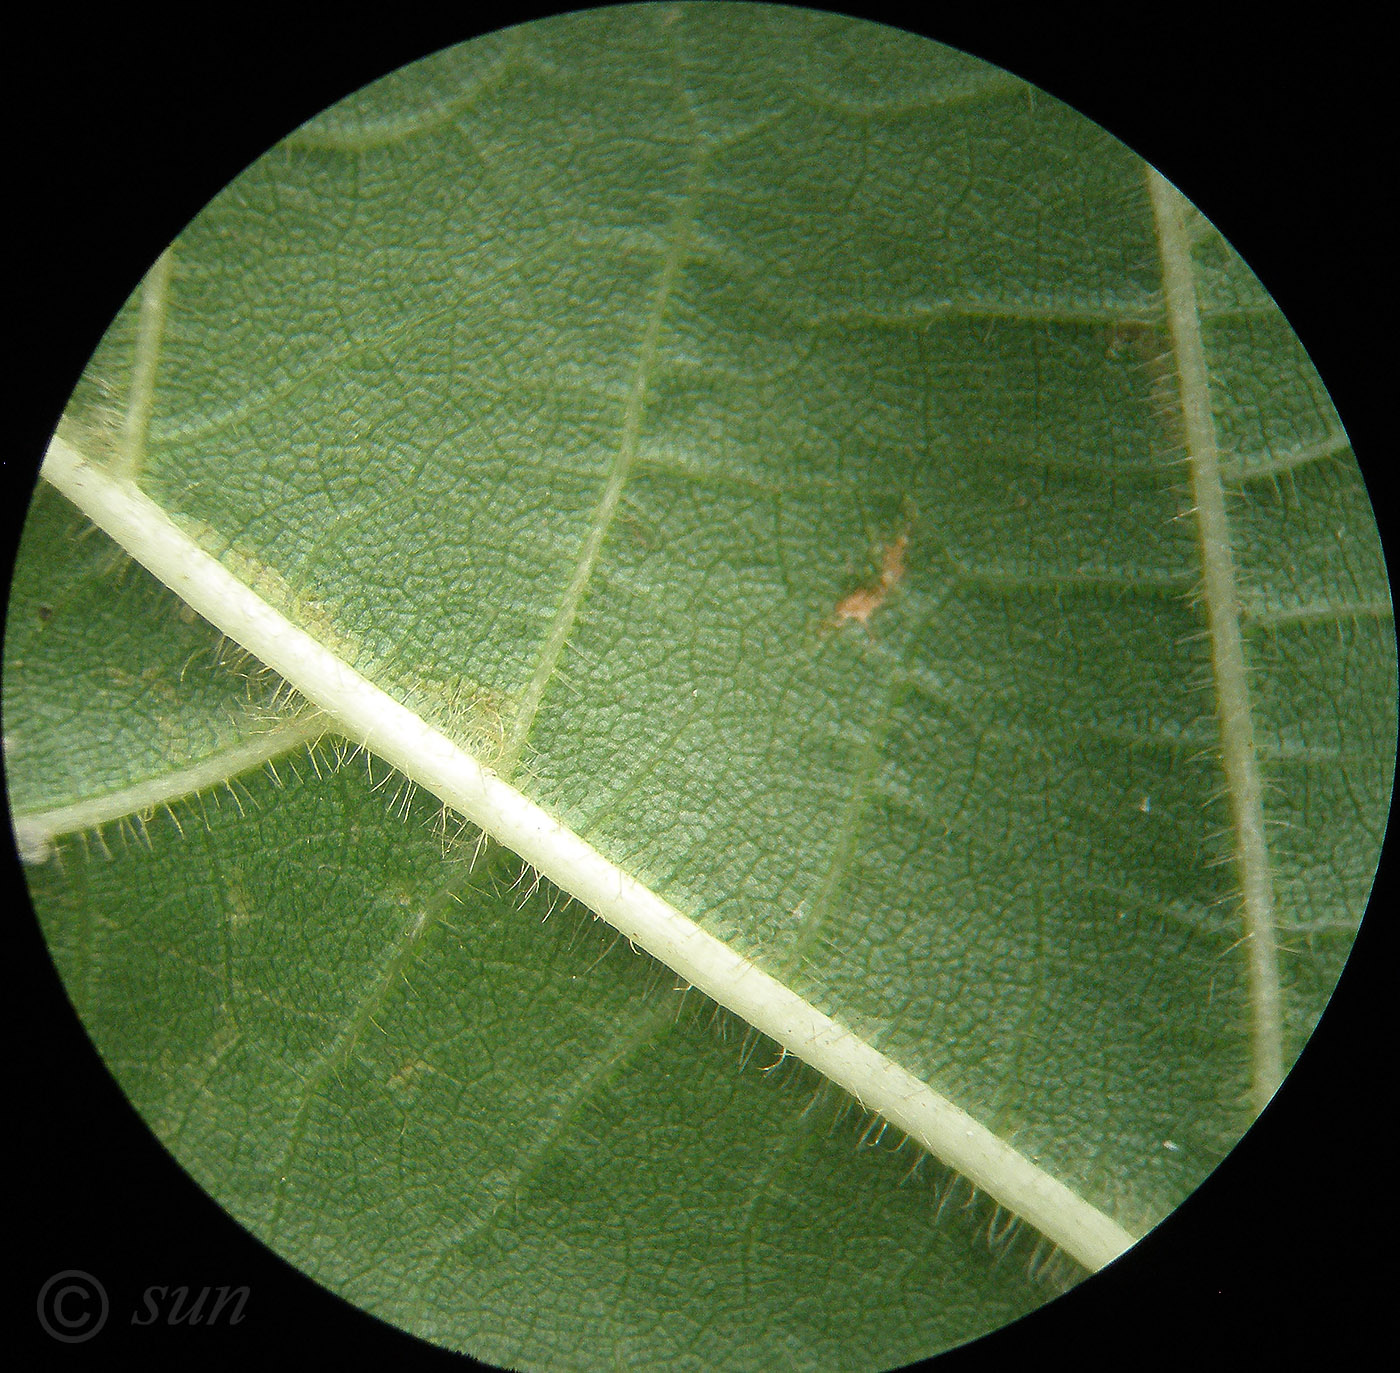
point(700, 687)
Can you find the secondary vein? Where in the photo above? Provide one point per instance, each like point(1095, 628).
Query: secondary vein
point(1220, 596)
point(368, 715)
point(677, 249)
point(150, 328)
point(35, 831)
point(847, 833)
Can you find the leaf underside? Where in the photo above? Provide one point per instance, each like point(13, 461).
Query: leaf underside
point(570, 384)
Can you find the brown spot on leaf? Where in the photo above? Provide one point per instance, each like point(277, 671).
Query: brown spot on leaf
point(864, 601)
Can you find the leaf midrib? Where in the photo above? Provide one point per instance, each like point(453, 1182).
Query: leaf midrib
point(428, 758)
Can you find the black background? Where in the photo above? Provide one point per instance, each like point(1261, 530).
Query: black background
point(122, 128)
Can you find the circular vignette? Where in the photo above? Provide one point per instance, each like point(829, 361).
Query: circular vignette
point(1246, 1273)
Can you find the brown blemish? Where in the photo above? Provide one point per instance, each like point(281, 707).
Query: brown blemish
point(864, 601)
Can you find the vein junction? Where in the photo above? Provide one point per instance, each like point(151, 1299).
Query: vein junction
point(367, 715)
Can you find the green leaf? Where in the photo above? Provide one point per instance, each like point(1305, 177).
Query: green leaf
point(846, 489)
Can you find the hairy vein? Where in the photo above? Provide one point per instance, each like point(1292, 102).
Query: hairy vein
point(35, 831)
point(1249, 467)
point(1221, 599)
point(368, 715)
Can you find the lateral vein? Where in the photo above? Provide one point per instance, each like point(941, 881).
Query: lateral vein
point(150, 328)
point(1220, 595)
point(35, 831)
point(678, 243)
point(368, 715)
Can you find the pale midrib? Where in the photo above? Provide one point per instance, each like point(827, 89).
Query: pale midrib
point(150, 329)
point(1220, 596)
point(367, 715)
point(35, 831)
point(678, 242)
